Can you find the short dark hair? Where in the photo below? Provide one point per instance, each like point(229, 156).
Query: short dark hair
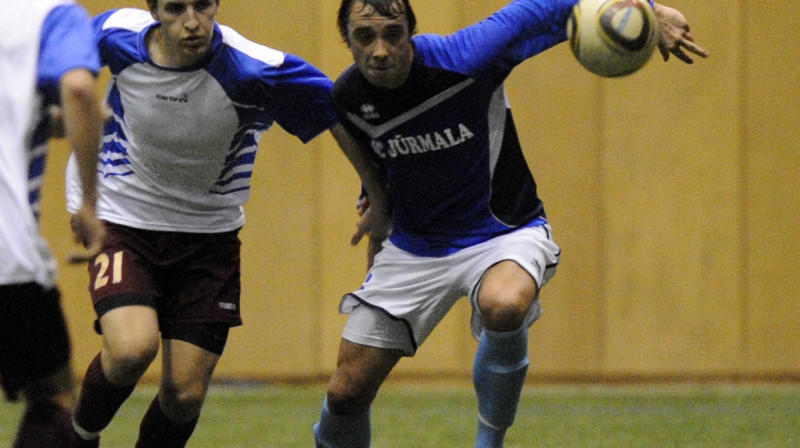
point(153, 4)
point(386, 8)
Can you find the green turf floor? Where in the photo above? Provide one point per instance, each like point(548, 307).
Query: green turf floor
point(440, 416)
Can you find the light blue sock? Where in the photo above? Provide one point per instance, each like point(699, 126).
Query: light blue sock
point(342, 431)
point(498, 375)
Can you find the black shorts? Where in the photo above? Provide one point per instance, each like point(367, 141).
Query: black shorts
point(34, 341)
point(192, 280)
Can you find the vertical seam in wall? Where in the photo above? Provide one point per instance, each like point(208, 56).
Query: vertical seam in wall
point(316, 268)
point(602, 280)
point(743, 142)
point(316, 232)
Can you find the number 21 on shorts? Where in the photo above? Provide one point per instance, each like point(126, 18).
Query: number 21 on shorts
point(104, 262)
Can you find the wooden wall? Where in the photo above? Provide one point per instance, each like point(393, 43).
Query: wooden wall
point(673, 193)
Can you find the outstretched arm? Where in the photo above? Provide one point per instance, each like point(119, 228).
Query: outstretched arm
point(675, 35)
point(82, 120)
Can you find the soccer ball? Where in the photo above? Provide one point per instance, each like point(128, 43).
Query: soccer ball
point(612, 37)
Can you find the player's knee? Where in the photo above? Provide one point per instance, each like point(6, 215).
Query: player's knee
point(504, 312)
point(129, 362)
point(348, 398)
point(182, 404)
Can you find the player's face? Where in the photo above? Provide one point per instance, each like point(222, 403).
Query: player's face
point(381, 46)
point(187, 28)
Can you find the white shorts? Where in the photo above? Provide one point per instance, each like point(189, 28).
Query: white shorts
point(405, 296)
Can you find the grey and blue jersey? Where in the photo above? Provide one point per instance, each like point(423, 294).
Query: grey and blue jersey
point(446, 138)
point(179, 153)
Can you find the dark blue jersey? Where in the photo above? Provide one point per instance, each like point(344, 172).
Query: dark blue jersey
point(446, 138)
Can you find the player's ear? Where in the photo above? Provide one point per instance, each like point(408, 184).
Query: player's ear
point(152, 5)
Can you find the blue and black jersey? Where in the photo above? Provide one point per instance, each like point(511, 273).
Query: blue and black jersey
point(446, 138)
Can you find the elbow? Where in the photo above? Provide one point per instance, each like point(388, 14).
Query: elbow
point(78, 85)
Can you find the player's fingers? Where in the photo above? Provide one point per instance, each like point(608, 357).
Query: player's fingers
point(690, 45)
point(82, 256)
point(88, 232)
point(78, 257)
point(362, 205)
point(93, 244)
point(681, 55)
point(359, 233)
point(664, 53)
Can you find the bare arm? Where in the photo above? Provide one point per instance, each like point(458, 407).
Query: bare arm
point(82, 121)
point(675, 35)
point(376, 219)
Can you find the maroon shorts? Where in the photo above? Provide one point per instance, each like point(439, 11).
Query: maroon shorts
point(34, 341)
point(188, 278)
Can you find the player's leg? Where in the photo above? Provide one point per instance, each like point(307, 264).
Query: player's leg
point(345, 418)
point(35, 361)
point(48, 418)
point(201, 303)
point(513, 269)
point(402, 300)
point(186, 375)
point(130, 343)
point(121, 280)
point(506, 295)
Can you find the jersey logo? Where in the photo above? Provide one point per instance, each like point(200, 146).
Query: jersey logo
point(173, 99)
point(402, 145)
point(537, 266)
point(227, 306)
point(368, 112)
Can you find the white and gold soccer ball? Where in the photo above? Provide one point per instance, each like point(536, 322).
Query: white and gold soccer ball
point(612, 37)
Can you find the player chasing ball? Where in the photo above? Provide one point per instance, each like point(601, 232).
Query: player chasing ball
point(448, 184)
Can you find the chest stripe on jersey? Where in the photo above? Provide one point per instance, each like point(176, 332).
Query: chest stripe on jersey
point(375, 131)
point(497, 126)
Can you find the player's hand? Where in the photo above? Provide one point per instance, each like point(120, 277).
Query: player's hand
point(57, 129)
point(362, 205)
point(376, 221)
point(90, 232)
point(675, 36)
point(374, 243)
